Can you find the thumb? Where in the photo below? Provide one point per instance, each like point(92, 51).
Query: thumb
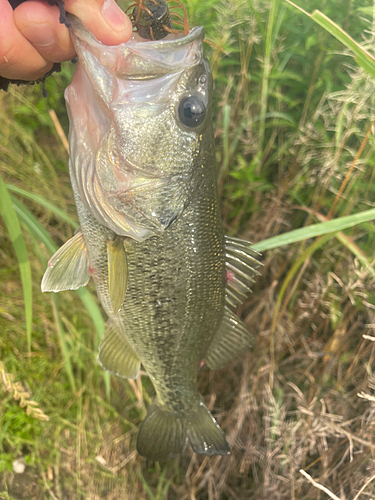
point(104, 18)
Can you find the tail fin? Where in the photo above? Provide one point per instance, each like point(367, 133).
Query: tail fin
point(164, 435)
point(205, 435)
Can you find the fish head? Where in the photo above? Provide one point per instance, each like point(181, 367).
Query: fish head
point(140, 116)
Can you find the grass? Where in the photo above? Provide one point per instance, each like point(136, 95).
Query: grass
point(294, 111)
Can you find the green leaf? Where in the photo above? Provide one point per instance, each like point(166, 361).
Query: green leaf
point(362, 57)
point(276, 114)
point(42, 201)
point(11, 221)
point(35, 228)
point(146, 486)
point(33, 225)
point(315, 230)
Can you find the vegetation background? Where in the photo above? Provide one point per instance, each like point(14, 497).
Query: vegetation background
point(295, 149)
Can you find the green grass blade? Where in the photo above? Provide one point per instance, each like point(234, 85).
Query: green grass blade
point(44, 203)
point(293, 270)
point(36, 228)
point(93, 310)
point(267, 66)
point(361, 56)
point(97, 318)
point(64, 347)
point(162, 491)
point(146, 486)
point(350, 245)
point(314, 230)
point(33, 225)
point(9, 215)
point(306, 254)
point(277, 115)
point(163, 494)
point(226, 120)
point(107, 383)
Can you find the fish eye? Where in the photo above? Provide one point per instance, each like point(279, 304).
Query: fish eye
point(191, 111)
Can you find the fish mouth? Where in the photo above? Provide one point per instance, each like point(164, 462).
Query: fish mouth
point(139, 58)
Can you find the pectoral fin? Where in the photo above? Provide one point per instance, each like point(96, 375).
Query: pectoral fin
point(241, 265)
point(116, 356)
point(230, 341)
point(117, 272)
point(68, 268)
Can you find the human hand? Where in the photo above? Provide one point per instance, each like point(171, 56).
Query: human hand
point(32, 38)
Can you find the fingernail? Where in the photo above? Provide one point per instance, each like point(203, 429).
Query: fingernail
point(40, 35)
point(116, 19)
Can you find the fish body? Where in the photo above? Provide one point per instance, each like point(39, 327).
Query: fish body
point(144, 179)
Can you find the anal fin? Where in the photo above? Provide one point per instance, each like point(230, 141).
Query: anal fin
point(117, 272)
point(116, 356)
point(241, 266)
point(68, 268)
point(230, 341)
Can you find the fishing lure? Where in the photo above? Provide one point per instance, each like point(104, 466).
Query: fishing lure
point(154, 19)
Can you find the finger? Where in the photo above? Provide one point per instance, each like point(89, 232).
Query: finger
point(104, 18)
point(19, 60)
point(39, 23)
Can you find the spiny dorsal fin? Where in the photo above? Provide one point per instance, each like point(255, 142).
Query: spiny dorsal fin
point(230, 341)
point(117, 272)
point(68, 268)
point(115, 354)
point(241, 265)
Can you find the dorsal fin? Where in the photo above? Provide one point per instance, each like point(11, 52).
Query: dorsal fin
point(68, 268)
point(231, 340)
point(241, 265)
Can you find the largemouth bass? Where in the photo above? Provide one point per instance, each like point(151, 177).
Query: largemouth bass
point(142, 168)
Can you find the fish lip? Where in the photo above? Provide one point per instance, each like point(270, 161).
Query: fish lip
point(165, 44)
point(140, 60)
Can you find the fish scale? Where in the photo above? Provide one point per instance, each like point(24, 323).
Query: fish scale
point(144, 179)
